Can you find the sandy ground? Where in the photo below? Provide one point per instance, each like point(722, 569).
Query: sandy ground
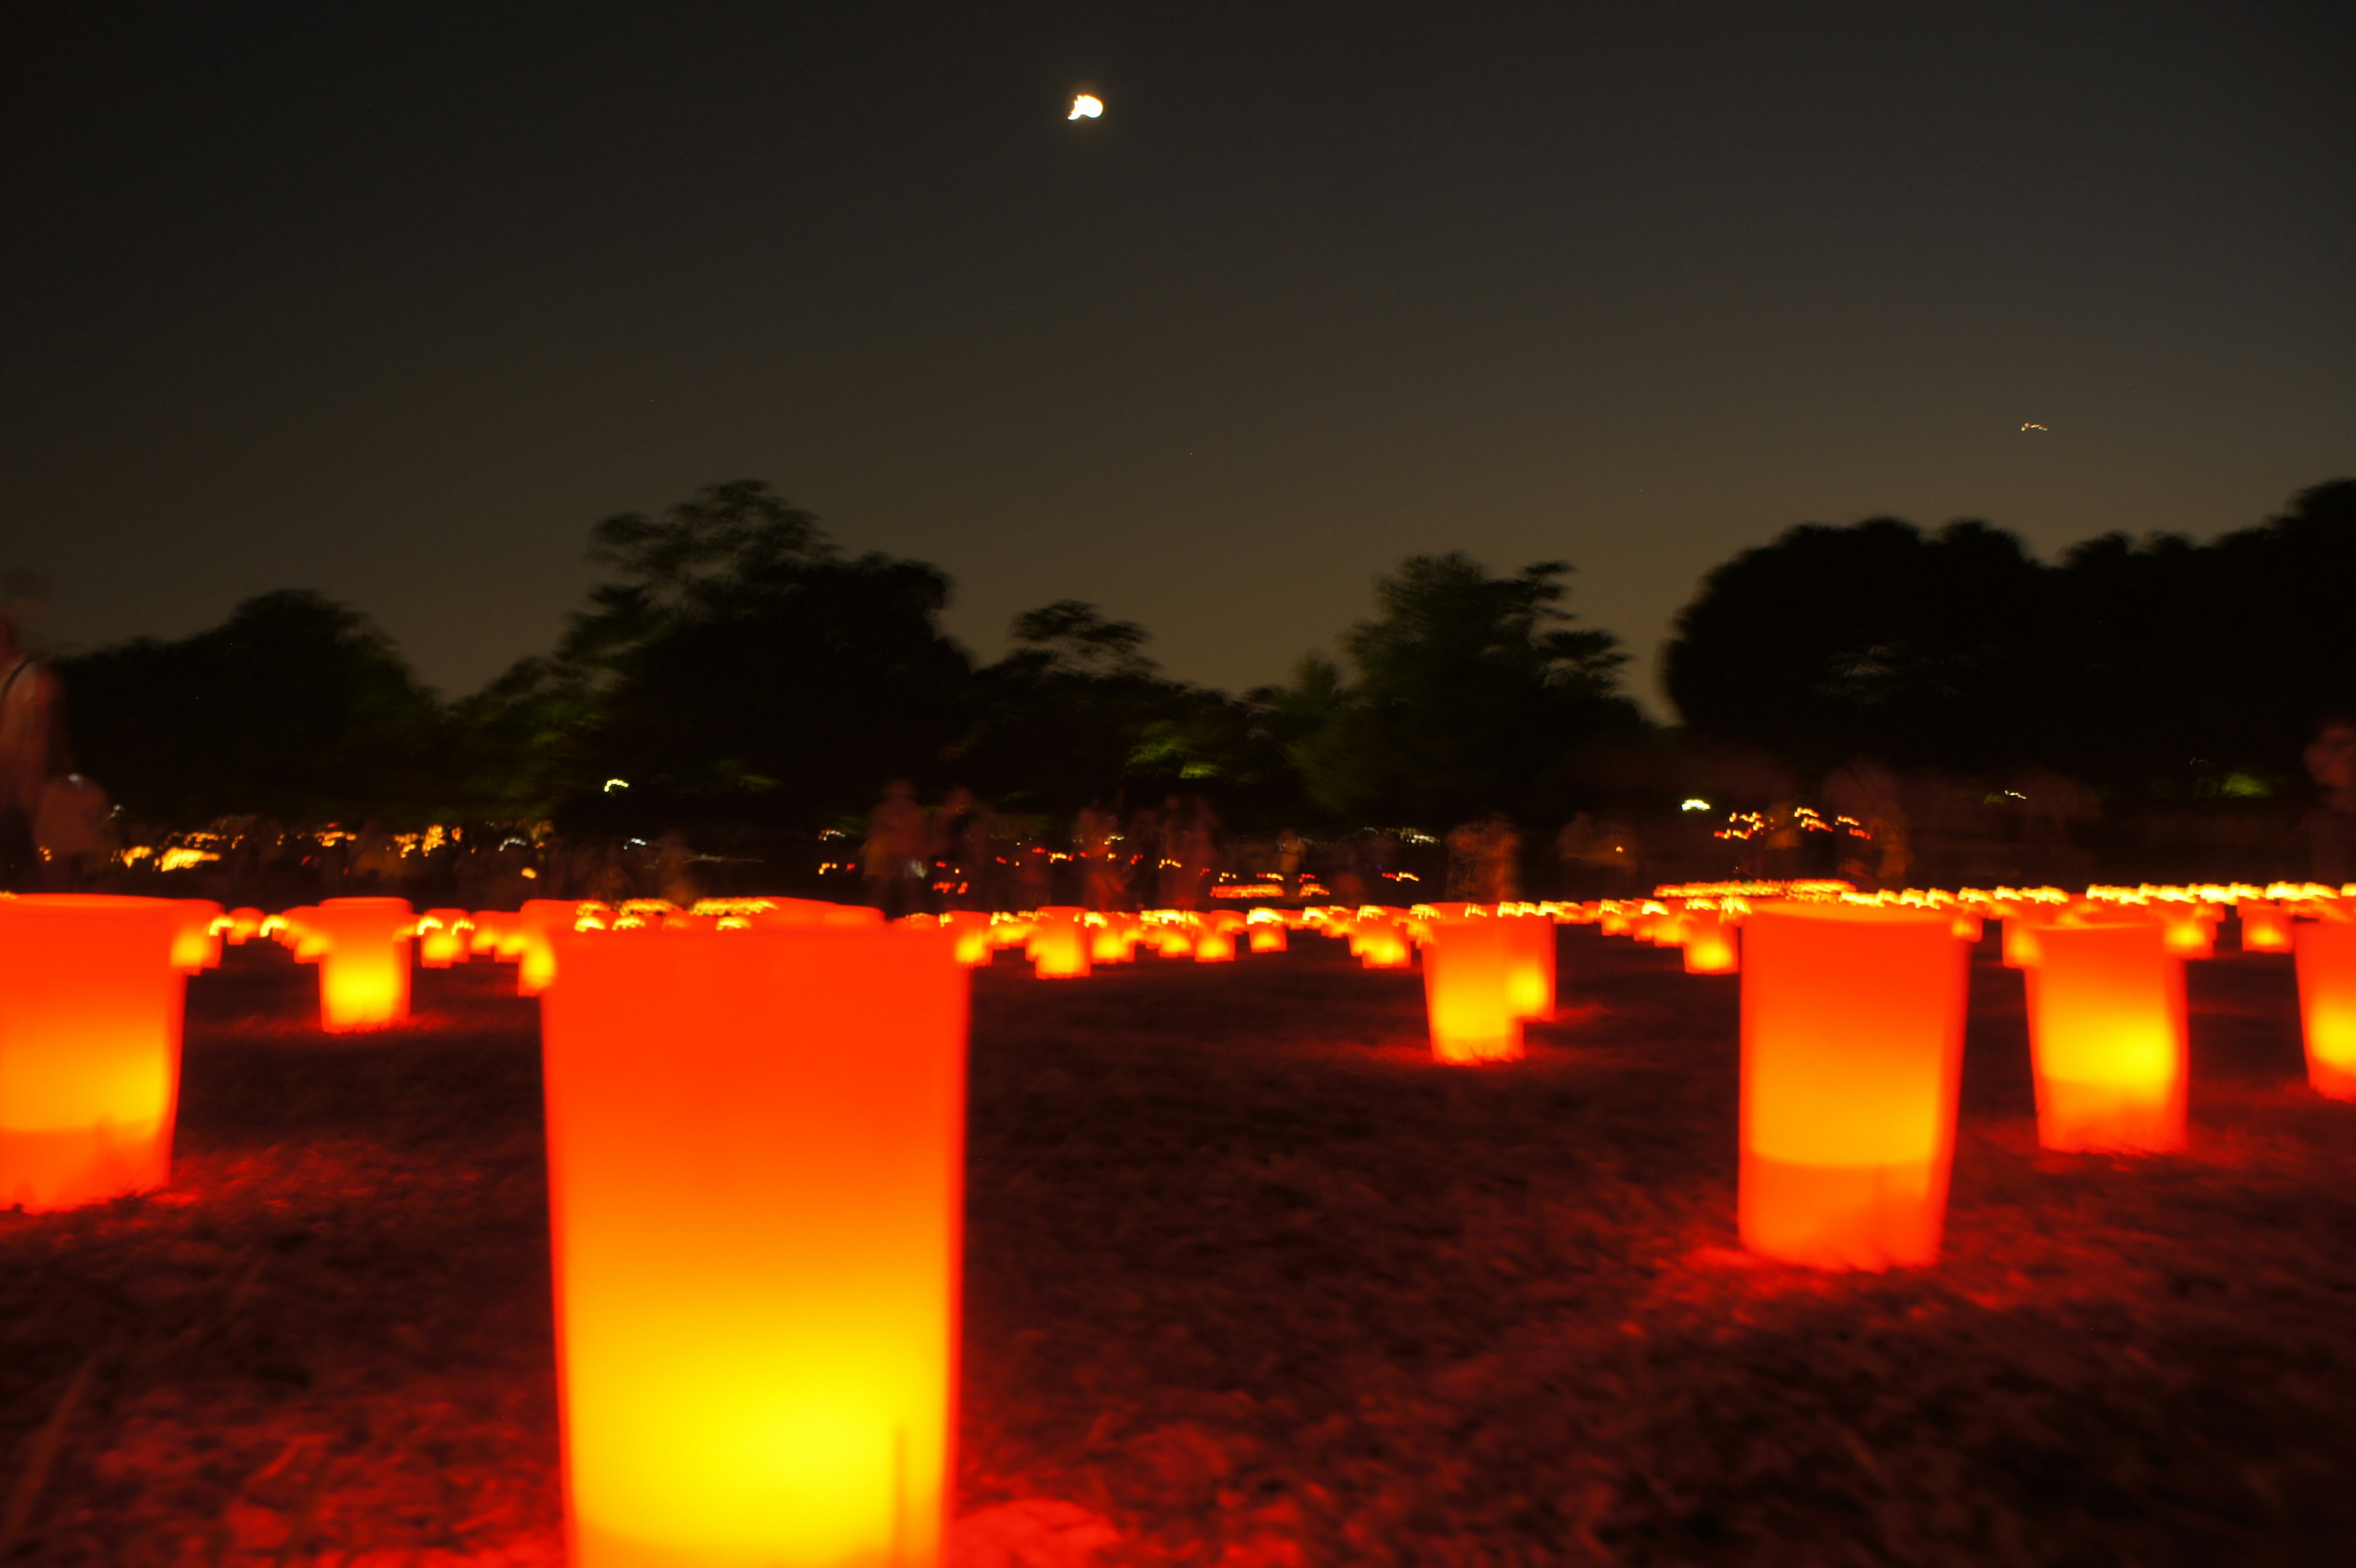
point(1251, 1281)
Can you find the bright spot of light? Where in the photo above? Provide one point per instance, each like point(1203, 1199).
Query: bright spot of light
point(1696, 803)
point(1086, 106)
point(613, 785)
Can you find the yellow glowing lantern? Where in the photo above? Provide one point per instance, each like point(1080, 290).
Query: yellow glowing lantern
point(243, 924)
point(756, 1169)
point(1709, 944)
point(444, 937)
point(1058, 944)
point(1531, 980)
point(362, 950)
point(1265, 930)
point(970, 936)
point(1215, 940)
point(1852, 1044)
point(2106, 1035)
point(196, 945)
point(2265, 926)
point(1468, 990)
point(2325, 952)
point(90, 1047)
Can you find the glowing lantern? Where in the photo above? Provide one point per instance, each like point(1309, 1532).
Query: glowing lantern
point(1215, 942)
point(1531, 979)
point(493, 932)
point(90, 1047)
point(2190, 931)
point(243, 925)
point(2325, 956)
point(1174, 936)
point(2106, 1035)
point(1852, 1045)
point(970, 931)
point(533, 939)
point(1709, 944)
point(1468, 990)
point(443, 937)
point(197, 945)
point(2265, 927)
point(1265, 930)
point(1379, 941)
point(1058, 945)
point(363, 957)
point(755, 1164)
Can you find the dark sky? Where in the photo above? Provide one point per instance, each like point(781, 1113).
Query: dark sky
point(395, 301)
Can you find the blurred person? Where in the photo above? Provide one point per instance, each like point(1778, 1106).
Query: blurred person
point(1291, 854)
point(949, 876)
point(1198, 854)
point(1464, 849)
point(893, 856)
point(1500, 861)
point(1096, 840)
point(374, 862)
point(2331, 826)
point(675, 870)
point(30, 754)
point(73, 831)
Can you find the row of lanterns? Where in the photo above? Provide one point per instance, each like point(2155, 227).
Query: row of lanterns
point(1853, 1012)
point(757, 1240)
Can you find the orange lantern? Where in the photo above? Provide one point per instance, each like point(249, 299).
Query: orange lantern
point(1709, 944)
point(444, 937)
point(197, 945)
point(243, 924)
point(2106, 1036)
point(1469, 992)
point(90, 1047)
point(2191, 930)
point(2265, 927)
point(1852, 1048)
point(532, 938)
point(1058, 944)
point(756, 1171)
point(1379, 941)
point(969, 932)
point(1531, 980)
point(2325, 952)
point(1265, 930)
point(1215, 942)
point(362, 947)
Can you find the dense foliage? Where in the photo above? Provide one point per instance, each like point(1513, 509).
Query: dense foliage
point(734, 670)
point(2156, 668)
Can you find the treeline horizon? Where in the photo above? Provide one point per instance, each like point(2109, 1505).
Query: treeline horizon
point(736, 673)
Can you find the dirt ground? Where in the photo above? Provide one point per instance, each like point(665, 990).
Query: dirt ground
point(1251, 1281)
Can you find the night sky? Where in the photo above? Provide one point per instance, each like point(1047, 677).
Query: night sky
point(394, 303)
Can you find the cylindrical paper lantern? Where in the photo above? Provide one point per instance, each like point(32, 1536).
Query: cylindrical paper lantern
point(2325, 956)
point(533, 936)
point(1468, 990)
point(196, 945)
point(1852, 1046)
point(444, 937)
point(755, 1160)
point(2265, 927)
point(1058, 946)
point(2106, 1036)
point(1267, 934)
point(363, 957)
point(1531, 978)
point(1214, 938)
point(1710, 944)
point(244, 924)
point(90, 1047)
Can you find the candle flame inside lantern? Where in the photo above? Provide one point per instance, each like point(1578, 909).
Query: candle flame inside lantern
point(90, 1047)
point(2325, 956)
point(1852, 1051)
point(2106, 1034)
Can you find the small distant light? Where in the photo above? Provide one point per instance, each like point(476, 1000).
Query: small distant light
point(613, 785)
point(2016, 795)
point(1085, 106)
point(530, 874)
point(1696, 803)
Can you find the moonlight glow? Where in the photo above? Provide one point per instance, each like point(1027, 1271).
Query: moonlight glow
point(1085, 106)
